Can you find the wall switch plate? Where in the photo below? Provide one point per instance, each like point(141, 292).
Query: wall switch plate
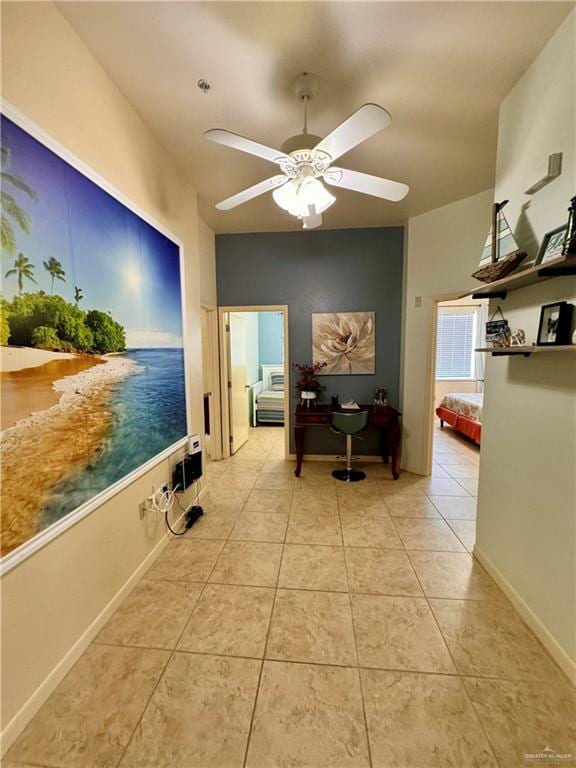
point(418, 301)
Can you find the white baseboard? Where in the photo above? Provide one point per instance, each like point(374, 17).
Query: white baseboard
point(51, 682)
point(329, 457)
point(566, 664)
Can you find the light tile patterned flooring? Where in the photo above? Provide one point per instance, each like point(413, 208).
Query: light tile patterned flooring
point(303, 622)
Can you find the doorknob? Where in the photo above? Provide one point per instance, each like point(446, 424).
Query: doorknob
point(246, 386)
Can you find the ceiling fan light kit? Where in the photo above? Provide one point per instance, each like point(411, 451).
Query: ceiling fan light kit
point(306, 158)
point(298, 197)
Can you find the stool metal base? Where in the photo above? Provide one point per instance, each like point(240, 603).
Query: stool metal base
point(349, 475)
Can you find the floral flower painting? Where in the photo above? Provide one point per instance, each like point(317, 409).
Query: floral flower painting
point(345, 342)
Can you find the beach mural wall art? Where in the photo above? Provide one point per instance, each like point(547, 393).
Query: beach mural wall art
point(92, 378)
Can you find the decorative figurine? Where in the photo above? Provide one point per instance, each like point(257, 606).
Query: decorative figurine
point(381, 396)
point(518, 339)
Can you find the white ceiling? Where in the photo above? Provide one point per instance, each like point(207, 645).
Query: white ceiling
point(440, 68)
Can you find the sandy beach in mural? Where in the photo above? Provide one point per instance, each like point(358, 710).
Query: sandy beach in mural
point(49, 439)
point(21, 358)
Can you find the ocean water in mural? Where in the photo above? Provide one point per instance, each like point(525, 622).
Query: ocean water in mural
point(91, 331)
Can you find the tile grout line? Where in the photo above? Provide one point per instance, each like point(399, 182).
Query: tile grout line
point(331, 665)
point(459, 674)
point(144, 708)
point(251, 726)
point(358, 669)
point(269, 620)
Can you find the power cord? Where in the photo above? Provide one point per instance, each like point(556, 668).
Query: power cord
point(192, 513)
point(163, 501)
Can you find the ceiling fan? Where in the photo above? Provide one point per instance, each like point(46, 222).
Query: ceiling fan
point(306, 158)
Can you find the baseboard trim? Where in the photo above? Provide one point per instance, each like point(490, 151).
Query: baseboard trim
point(21, 719)
point(566, 664)
point(332, 457)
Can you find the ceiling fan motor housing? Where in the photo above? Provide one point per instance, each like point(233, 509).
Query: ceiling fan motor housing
point(304, 160)
point(299, 142)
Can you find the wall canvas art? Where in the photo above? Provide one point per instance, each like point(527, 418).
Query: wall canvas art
point(92, 356)
point(345, 341)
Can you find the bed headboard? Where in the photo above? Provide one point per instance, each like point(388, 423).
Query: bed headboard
point(267, 371)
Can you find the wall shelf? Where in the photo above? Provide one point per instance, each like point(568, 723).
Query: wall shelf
point(526, 351)
point(499, 288)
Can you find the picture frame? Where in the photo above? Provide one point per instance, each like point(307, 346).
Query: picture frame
point(555, 324)
point(552, 245)
point(345, 342)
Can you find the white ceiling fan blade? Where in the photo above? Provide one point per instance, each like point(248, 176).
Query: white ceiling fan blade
point(313, 219)
point(229, 139)
point(364, 182)
point(247, 194)
point(362, 124)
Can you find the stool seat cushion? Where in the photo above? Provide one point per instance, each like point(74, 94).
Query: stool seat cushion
point(349, 423)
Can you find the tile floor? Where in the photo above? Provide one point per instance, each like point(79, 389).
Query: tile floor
point(302, 622)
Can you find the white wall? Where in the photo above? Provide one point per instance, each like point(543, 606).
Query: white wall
point(207, 258)
point(51, 600)
point(443, 249)
point(527, 494)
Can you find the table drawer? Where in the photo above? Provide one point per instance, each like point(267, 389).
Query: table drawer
point(303, 419)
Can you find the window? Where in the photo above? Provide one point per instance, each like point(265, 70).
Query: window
point(455, 343)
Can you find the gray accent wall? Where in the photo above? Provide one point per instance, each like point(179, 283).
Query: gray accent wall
point(344, 270)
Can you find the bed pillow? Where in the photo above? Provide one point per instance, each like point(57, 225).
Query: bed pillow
point(277, 382)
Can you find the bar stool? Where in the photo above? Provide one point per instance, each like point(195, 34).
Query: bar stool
point(349, 424)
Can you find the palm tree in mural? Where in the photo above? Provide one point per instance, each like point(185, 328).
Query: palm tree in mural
point(78, 295)
point(24, 269)
point(55, 270)
point(12, 212)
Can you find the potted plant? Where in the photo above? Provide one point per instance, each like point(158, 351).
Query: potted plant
point(307, 384)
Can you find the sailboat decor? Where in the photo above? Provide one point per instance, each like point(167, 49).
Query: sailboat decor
point(570, 242)
point(501, 254)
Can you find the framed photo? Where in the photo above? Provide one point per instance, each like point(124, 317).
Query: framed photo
point(552, 245)
point(555, 323)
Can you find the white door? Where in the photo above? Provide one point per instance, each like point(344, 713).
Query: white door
point(238, 390)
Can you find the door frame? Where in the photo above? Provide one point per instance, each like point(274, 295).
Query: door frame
point(215, 404)
point(225, 375)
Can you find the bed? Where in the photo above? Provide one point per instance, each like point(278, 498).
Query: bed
point(463, 411)
point(268, 397)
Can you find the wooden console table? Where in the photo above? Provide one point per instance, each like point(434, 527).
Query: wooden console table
point(384, 418)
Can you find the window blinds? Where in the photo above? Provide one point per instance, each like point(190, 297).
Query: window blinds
point(455, 344)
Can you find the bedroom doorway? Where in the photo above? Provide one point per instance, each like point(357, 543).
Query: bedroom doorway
point(457, 384)
point(254, 373)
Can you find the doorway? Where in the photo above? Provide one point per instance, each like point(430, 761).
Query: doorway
point(254, 380)
point(457, 386)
